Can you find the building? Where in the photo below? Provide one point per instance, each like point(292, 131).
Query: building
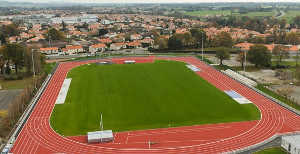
point(72, 49)
point(105, 41)
point(291, 144)
point(291, 49)
point(97, 48)
point(134, 45)
point(117, 46)
point(135, 37)
point(50, 50)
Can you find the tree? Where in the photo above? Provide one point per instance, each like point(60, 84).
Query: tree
point(222, 54)
point(102, 32)
point(296, 21)
point(292, 38)
point(54, 34)
point(161, 42)
point(15, 53)
point(175, 42)
point(199, 36)
point(280, 52)
point(241, 58)
point(64, 26)
point(297, 74)
point(282, 23)
point(187, 39)
point(10, 30)
point(223, 39)
point(2, 38)
point(259, 55)
point(2, 61)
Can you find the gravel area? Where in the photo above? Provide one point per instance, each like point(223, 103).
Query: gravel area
point(263, 76)
point(7, 96)
point(294, 94)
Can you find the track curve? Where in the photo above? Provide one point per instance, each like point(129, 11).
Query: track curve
point(37, 136)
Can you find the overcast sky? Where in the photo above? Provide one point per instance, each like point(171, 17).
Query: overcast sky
point(151, 1)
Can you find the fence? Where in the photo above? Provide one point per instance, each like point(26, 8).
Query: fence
point(21, 122)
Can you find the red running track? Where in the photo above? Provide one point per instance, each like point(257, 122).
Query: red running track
point(37, 136)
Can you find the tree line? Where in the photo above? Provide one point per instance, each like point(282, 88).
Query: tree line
point(195, 38)
point(16, 61)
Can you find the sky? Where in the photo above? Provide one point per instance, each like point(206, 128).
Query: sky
point(151, 1)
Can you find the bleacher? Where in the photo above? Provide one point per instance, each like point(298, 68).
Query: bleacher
point(240, 78)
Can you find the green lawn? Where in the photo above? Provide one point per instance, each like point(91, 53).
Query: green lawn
point(258, 14)
point(143, 96)
point(15, 84)
point(274, 95)
point(48, 67)
point(209, 13)
point(276, 150)
point(289, 15)
point(203, 13)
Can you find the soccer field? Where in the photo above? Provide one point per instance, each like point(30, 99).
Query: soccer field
point(143, 96)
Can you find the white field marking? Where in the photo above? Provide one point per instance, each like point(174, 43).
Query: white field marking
point(170, 141)
point(63, 91)
point(127, 138)
point(180, 131)
point(193, 67)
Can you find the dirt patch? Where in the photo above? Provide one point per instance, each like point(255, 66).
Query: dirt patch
point(263, 76)
point(294, 95)
point(7, 96)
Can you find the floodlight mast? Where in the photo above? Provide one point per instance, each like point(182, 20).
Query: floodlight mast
point(101, 126)
point(101, 123)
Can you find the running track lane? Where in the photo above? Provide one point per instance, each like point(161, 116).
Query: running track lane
point(37, 136)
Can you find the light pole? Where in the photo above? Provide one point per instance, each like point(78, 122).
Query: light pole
point(33, 68)
point(202, 44)
point(245, 55)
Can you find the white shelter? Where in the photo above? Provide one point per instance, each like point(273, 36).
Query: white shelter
point(291, 144)
point(100, 136)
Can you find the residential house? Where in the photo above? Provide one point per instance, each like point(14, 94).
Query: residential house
point(97, 48)
point(117, 46)
point(12, 39)
point(72, 49)
point(134, 45)
point(147, 42)
point(49, 50)
point(105, 41)
point(135, 37)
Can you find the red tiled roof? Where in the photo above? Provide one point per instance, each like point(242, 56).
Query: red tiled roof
point(134, 44)
point(50, 48)
point(74, 47)
point(105, 40)
point(101, 45)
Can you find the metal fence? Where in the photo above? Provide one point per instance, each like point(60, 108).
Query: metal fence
point(21, 122)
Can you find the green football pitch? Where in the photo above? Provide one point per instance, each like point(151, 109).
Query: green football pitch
point(143, 96)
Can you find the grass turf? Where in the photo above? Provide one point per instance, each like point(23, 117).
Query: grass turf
point(143, 96)
point(276, 150)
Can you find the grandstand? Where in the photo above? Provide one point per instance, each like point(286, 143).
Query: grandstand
point(240, 78)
